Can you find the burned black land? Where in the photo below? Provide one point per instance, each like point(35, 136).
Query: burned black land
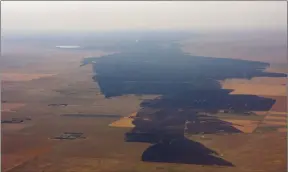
point(190, 95)
point(168, 71)
point(183, 151)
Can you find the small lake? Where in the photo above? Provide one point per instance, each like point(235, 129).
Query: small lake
point(68, 46)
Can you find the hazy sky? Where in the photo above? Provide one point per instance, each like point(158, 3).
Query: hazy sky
point(99, 16)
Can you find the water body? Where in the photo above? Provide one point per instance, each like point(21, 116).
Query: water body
point(68, 46)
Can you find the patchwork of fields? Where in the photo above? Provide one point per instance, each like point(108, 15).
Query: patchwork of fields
point(235, 141)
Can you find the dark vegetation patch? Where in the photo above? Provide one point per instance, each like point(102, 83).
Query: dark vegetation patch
point(70, 136)
point(58, 105)
point(15, 120)
point(91, 116)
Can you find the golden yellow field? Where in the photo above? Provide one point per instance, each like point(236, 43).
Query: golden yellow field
point(257, 86)
point(124, 122)
point(256, 89)
point(275, 119)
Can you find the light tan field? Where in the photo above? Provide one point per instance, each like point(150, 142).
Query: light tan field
point(13, 127)
point(259, 80)
point(256, 89)
point(274, 123)
point(22, 76)
point(124, 122)
point(246, 126)
point(276, 117)
point(278, 113)
point(9, 107)
point(36, 59)
point(276, 120)
point(267, 86)
point(277, 68)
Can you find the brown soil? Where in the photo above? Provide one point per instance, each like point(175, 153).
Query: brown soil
point(282, 130)
point(18, 148)
point(22, 77)
point(270, 117)
point(11, 160)
point(9, 107)
point(104, 148)
point(275, 123)
point(280, 104)
point(13, 127)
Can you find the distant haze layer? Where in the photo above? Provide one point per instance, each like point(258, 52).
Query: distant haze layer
point(268, 46)
point(55, 16)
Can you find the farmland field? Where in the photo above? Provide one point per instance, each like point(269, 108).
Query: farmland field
point(231, 125)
